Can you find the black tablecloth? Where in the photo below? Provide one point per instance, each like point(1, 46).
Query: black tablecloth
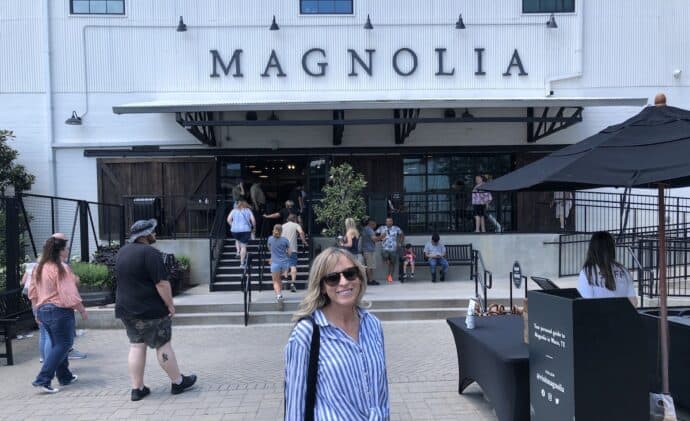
point(495, 356)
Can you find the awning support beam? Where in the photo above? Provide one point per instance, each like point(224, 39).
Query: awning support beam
point(404, 129)
point(379, 121)
point(549, 125)
point(197, 124)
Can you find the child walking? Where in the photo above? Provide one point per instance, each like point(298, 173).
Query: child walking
point(408, 260)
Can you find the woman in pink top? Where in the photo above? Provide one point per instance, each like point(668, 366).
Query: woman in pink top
point(54, 294)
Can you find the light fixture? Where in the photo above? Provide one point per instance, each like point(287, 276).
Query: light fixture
point(181, 27)
point(460, 24)
point(368, 25)
point(273, 116)
point(449, 113)
point(551, 23)
point(467, 114)
point(74, 120)
point(274, 25)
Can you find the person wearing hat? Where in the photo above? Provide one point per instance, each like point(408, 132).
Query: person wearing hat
point(144, 304)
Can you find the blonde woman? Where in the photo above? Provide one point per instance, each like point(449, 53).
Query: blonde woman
point(242, 225)
point(351, 240)
point(350, 339)
point(280, 261)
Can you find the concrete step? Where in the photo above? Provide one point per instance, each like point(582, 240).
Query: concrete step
point(267, 312)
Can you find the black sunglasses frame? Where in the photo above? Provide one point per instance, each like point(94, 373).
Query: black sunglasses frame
point(333, 279)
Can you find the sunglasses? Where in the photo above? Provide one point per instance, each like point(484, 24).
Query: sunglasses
point(332, 279)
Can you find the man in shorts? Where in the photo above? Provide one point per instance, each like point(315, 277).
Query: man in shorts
point(369, 239)
point(144, 304)
point(392, 236)
point(290, 231)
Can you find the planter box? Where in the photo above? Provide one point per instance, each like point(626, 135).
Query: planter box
point(96, 296)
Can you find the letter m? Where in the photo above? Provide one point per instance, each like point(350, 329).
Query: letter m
point(218, 60)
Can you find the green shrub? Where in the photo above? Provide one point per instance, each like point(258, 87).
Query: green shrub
point(183, 261)
point(92, 274)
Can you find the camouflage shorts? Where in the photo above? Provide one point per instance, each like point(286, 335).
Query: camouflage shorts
point(153, 332)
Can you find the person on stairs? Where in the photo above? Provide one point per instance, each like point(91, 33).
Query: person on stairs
point(290, 231)
point(280, 264)
point(242, 225)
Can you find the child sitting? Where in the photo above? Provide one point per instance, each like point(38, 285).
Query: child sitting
point(408, 260)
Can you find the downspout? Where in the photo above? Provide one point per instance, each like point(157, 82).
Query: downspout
point(579, 59)
point(48, 81)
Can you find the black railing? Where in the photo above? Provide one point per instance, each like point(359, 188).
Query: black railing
point(12, 235)
point(217, 236)
point(86, 224)
point(482, 278)
point(572, 248)
point(247, 287)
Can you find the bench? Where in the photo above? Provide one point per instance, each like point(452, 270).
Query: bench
point(456, 255)
point(15, 315)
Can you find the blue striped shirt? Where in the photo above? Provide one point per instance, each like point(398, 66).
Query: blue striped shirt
point(352, 383)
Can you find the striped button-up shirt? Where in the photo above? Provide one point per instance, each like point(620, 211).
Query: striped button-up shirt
point(352, 383)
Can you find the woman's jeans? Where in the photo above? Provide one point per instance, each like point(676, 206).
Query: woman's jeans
point(59, 324)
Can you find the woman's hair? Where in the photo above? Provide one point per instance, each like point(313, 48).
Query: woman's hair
point(242, 203)
point(408, 246)
point(601, 256)
point(289, 203)
point(277, 230)
point(350, 225)
point(322, 265)
point(51, 254)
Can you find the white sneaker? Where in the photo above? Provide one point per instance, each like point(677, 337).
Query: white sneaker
point(280, 301)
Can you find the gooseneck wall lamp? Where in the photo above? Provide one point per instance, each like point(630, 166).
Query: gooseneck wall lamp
point(181, 27)
point(551, 23)
point(460, 24)
point(74, 120)
point(368, 24)
point(274, 25)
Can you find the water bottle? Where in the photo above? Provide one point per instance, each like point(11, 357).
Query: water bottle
point(471, 313)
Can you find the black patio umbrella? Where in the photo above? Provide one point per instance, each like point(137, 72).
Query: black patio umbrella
point(651, 149)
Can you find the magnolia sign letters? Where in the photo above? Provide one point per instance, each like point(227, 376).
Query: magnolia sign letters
point(315, 63)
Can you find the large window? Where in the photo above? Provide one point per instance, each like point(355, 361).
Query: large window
point(97, 7)
point(325, 7)
point(548, 6)
point(438, 192)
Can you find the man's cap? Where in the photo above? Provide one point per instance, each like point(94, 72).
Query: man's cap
point(142, 228)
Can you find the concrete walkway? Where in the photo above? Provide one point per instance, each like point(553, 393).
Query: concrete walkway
point(240, 377)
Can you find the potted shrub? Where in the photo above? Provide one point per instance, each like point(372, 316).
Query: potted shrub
point(95, 283)
point(185, 271)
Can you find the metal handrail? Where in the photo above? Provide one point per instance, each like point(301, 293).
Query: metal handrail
point(216, 240)
point(486, 281)
point(246, 283)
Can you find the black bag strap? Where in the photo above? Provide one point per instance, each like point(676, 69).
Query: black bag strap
point(313, 370)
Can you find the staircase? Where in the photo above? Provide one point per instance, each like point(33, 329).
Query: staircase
point(228, 273)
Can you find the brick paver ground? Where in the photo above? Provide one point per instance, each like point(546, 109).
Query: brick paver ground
point(240, 373)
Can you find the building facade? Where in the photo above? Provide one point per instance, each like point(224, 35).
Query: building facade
point(186, 98)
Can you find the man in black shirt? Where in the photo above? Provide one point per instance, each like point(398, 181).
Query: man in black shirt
point(144, 304)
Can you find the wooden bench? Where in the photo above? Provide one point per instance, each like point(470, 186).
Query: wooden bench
point(456, 255)
point(15, 315)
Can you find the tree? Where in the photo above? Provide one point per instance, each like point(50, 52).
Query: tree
point(11, 173)
point(342, 199)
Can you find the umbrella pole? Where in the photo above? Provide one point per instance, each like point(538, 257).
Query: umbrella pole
point(663, 293)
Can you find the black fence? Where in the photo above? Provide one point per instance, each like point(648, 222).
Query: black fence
point(85, 224)
point(12, 237)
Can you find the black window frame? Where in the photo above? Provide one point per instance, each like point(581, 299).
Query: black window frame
point(564, 8)
point(106, 13)
point(317, 13)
